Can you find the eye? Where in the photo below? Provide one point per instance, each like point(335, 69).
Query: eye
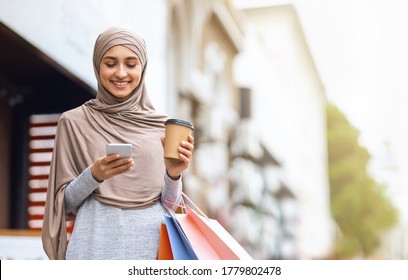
point(110, 65)
point(131, 65)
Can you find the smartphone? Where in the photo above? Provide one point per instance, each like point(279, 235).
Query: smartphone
point(125, 150)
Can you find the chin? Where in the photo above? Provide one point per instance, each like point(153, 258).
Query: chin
point(122, 96)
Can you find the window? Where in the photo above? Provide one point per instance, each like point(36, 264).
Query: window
point(42, 129)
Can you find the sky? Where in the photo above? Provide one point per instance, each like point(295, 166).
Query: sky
point(360, 48)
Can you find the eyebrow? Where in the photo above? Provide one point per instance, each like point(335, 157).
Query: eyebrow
point(127, 58)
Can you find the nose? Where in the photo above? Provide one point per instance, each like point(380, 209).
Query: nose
point(121, 72)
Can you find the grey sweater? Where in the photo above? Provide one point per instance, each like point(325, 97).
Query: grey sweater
point(106, 232)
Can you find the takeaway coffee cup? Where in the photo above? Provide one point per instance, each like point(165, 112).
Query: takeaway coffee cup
point(176, 131)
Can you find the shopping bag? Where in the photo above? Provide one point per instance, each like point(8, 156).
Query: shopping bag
point(180, 246)
point(165, 252)
point(209, 239)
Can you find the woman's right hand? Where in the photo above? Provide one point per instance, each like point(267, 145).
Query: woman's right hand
point(108, 166)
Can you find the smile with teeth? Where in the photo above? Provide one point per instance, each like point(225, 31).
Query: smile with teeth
point(120, 84)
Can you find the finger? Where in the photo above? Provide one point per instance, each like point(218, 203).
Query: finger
point(186, 152)
point(120, 162)
point(186, 159)
point(110, 158)
point(124, 168)
point(191, 139)
point(121, 169)
point(187, 145)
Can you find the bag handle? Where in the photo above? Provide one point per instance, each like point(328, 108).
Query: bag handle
point(173, 204)
point(195, 206)
point(184, 205)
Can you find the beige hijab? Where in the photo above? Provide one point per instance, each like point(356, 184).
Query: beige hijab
point(82, 134)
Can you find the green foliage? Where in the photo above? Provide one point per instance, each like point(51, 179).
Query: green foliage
point(358, 205)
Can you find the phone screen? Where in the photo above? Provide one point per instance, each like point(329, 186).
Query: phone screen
point(124, 150)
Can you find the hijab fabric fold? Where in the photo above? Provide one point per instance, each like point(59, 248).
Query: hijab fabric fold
point(82, 135)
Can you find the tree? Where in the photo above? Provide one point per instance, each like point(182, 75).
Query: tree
point(358, 206)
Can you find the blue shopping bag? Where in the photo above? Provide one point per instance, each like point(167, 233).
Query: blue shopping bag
point(180, 245)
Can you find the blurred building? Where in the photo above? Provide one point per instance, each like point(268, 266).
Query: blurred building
point(289, 114)
point(244, 77)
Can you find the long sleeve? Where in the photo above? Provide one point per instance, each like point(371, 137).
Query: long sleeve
point(171, 193)
point(79, 189)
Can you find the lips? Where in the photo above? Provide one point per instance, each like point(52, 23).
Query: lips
point(120, 84)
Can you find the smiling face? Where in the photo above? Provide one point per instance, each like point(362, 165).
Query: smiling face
point(120, 71)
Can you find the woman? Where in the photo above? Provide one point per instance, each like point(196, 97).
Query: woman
point(116, 202)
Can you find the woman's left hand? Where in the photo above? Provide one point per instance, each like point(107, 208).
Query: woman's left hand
point(176, 167)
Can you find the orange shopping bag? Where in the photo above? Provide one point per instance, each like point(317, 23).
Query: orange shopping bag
point(165, 252)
